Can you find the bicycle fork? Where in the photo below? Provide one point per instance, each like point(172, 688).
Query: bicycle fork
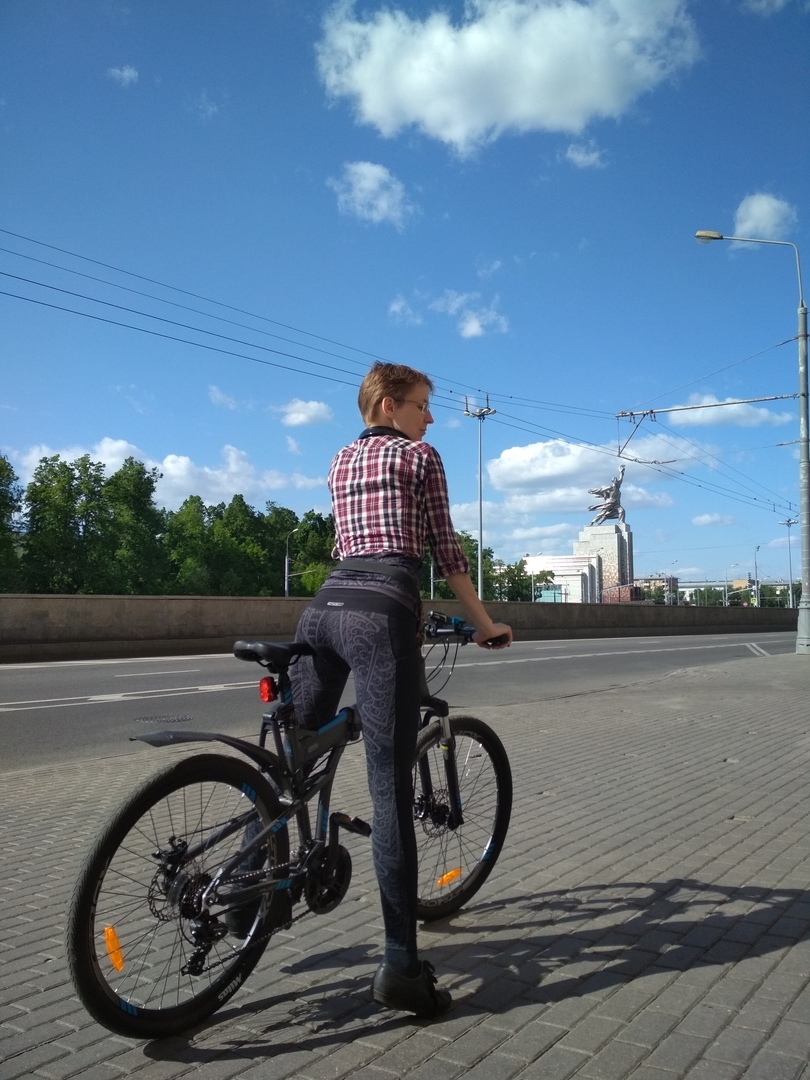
point(452, 810)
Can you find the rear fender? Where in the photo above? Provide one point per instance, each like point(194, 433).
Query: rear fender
point(267, 761)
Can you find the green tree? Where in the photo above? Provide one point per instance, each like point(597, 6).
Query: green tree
point(188, 548)
point(512, 581)
point(139, 564)
point(279, 524)
point(469, 545)
point(67, 538)
point(311, 553)
point(11, 496)
point(708, 597)
point(239, 558)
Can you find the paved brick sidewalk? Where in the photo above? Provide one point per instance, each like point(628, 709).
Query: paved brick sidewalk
point(649, 917)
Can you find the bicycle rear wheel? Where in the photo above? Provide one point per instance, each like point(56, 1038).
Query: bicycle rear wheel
point(455, 861)
point(146, 960)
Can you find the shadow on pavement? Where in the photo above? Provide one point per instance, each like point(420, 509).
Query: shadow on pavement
point(549, 947)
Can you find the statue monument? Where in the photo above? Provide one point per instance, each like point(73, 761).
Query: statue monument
point(609, 537)
point(611, 507)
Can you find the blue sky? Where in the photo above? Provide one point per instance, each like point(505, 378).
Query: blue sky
point(216, 215)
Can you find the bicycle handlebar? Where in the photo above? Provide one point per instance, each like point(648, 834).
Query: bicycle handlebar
point(438, 625)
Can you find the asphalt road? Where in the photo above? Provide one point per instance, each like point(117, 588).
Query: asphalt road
point(87, 710)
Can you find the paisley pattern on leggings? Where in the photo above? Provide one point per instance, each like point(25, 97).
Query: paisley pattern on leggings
point(380, 648)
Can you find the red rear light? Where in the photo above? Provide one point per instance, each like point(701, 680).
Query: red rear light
point(267, 689)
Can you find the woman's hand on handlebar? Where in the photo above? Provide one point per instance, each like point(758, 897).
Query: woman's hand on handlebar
point(499, 636)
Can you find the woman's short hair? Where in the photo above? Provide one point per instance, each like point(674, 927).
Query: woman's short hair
point(388, 380)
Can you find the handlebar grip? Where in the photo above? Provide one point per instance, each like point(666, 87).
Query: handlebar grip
point(501, 639)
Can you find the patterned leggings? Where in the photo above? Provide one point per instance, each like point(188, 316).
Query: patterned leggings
point(375, 638)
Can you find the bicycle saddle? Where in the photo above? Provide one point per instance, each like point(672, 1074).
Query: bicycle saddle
point(277, 655)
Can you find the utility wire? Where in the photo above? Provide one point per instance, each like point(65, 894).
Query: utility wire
point(518, 402)
point(524, 402)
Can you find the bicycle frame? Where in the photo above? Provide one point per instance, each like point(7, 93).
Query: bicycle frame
point(297, 749)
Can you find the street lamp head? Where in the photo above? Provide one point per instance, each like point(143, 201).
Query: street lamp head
point(705, 236)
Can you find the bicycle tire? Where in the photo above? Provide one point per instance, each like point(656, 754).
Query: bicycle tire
point(455, 862)
point(129, 924)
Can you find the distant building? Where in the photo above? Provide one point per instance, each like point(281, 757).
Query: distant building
point(577, 578)
point(669, 585)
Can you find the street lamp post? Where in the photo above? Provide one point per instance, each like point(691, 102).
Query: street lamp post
point(287, 563)
point(790, 521)
point(479, 415)
point(705, 236)
point(756, 576)
point(531, 572)
point(668, 584)
point(725, 594)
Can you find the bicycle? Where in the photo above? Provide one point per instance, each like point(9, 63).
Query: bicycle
point(184, 888)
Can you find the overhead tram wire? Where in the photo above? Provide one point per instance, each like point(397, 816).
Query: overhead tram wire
point(516, 402)
point(465, 391)
point(675, 474)
point(174, 303)
point(181, 340)
point(706, 453)
point(531, 429)
point(162, 319)
point(186, 341)
point(208, 300)
point(528, 403)
point(186, 292)
point(694, 382)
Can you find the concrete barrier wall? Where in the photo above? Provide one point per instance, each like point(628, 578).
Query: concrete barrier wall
point(44, 627)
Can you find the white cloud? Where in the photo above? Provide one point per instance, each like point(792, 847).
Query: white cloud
point(555, 477)
point(765, 7)
point(585, 155)
point(372, 193)
point(205, 107)
point(219, 397)
point(728, 415)
point(124, 76)
point(297, 413)
point(764, 217)
point(181, 477)
point(506, 66)
point(473, 319)
point(401, 311)
point(712, 519)
point(487, 270)
point(292, 445)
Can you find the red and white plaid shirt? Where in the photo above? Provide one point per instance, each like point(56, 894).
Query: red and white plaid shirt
point(389, 496)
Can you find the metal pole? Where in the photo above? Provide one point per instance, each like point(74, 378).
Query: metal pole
point(479, 414)
point(725, 600)
point(756, 575)
point(287, 564)
point(789, 522)
point(803, 627)
point(705, 236)
point(480, 515)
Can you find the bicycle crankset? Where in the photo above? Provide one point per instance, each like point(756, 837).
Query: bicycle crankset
point(325, 888)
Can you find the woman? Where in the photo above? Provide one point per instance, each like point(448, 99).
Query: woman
point(389, 502)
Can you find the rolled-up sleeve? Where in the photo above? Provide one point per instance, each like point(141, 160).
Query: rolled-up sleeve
point(444, 546)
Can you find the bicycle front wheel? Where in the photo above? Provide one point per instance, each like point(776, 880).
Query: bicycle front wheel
point(455, 860)
point(146, 958)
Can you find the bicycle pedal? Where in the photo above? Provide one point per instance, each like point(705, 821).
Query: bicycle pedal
point(352, 825)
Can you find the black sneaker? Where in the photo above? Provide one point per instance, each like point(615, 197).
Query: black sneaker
point(418, 995)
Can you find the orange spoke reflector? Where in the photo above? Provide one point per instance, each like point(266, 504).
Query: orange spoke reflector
point(449, 877)
point(114, 950)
